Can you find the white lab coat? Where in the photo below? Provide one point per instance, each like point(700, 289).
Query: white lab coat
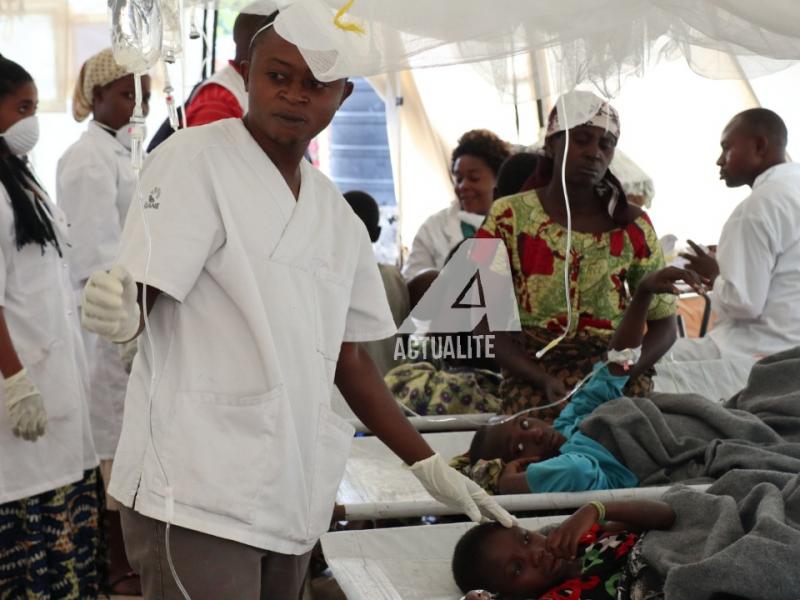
point(38, 303)
point(95, 185)
point(757, 295)
point(437, 236)
point(260, 293)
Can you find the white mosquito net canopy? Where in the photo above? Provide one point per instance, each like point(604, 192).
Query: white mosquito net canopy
point(587, 40)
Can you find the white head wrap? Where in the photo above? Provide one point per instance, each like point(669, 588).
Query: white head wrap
point(101, 69)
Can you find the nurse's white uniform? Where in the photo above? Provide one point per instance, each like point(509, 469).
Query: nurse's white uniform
point(95, 185)
point(262, 290)
point(37, 299)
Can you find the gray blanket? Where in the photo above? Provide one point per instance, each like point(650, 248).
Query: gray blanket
point(679, 437)
point(740, 540)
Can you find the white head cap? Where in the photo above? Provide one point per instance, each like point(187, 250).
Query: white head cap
point(260, 7)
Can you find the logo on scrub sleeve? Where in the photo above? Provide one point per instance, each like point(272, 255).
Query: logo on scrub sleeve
point(472, 297)
point(152, 198)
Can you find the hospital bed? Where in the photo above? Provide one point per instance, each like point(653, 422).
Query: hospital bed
point(406, 563)
point(376, 485)
point(715, 379)
point(424, 424)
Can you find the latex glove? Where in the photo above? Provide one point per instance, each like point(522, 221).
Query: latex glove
point(109, 306)
point(127, 352)
point(450, 487)
point(25, 406)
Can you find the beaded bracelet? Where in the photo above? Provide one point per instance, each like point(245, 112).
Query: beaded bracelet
point(601, 511)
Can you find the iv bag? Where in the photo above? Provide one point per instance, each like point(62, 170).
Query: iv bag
point(171, 19)
point(135, 33)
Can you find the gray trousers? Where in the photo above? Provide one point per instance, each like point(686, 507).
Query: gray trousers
point(208, 567)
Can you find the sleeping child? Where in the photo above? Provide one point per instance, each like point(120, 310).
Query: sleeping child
point(586, 557)
point(526, 454)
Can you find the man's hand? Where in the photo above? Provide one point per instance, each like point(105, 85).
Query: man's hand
point(701, 262)
point(109, 306)
point(453, 489)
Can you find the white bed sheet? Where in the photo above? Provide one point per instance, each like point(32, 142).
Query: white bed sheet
point(400, 563)
point(717, 379)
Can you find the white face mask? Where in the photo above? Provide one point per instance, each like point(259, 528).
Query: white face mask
point(123, 135)
point(22, 136)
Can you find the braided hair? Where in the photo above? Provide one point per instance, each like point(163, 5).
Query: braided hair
point(32, 224)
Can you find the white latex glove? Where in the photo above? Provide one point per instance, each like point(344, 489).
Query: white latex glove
point(109, 306)
point(127, 352)
point(450, 487)
point(25, 406)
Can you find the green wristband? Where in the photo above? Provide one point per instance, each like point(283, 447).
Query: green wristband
point(601, 511)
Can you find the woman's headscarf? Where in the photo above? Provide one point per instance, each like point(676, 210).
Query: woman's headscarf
point(574, 109)
point(99, 70)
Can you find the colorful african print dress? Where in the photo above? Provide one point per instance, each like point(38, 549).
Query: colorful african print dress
point(50, 543)
point(605, 269)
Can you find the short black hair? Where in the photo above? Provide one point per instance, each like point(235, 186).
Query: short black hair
point(485, 145)
point(367, 210)
point(476, 446)
point(763, 121)
point(468, 565)
point(514, 172)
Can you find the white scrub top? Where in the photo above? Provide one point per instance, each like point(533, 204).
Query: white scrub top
point(261, 292)
point(37, 299)
point(757, 294)
point(437, 236)
point(95, 185)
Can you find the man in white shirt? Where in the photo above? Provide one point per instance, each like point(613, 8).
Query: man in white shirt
point(755, 272)
point(261, 281)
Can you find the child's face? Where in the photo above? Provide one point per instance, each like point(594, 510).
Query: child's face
point(518, 564)
point(522, 437)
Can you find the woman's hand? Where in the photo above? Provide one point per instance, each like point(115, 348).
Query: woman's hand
point(553, 389)
point(663, 281)
point(562, 542)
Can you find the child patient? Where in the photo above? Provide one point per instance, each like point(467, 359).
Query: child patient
point(537, 457)
point(584, 558)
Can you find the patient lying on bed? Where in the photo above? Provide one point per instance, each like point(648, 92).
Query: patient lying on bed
point(526, 454)
point(585, 557)
point(539, 457)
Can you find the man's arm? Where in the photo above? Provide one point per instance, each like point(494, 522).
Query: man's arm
point(367, 395)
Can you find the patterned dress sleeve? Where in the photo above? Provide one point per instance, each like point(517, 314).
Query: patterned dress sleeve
point(648, 257)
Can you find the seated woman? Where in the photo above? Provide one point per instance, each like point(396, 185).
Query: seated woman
point(474, 166)
point(526, 454)
point(613, 247)
point(593, 555)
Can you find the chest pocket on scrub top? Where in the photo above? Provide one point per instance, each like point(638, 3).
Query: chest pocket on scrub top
point(332, 301)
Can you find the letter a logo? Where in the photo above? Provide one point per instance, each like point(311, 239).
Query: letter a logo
point(475, 284)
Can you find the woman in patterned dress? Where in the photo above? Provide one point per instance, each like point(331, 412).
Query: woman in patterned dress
point(613, 247)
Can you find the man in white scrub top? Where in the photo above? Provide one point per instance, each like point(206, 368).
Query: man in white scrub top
point(756, 270)
point(261, 281)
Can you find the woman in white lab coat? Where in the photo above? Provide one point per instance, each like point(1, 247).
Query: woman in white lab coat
point(49, 481)
point(474, 166)
point(95, 185)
